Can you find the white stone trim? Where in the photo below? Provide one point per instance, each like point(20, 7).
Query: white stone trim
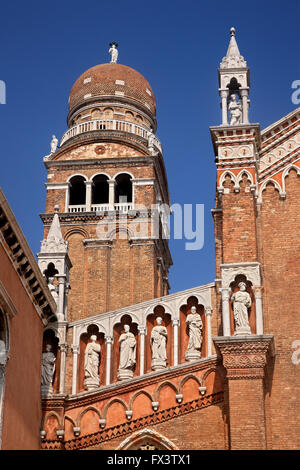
point(250, 270)
point(88, 95)
point(50, 186)
point(119, 93)
point(87, 80)
point(119, 82)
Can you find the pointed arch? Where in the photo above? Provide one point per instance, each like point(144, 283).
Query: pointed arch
point(164, 384)
point(186, 378)
point(111, 402)
point(139, 438)
point(48, 415)
point(286, 173)
point(140, 392)
point(240, 176)
point(68, 418)
point(264, 185)
point(223, 177)
point(83, 412)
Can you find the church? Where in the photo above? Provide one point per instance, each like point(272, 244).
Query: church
point(121, 364)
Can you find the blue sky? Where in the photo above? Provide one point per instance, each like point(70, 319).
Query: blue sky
point(177, 46)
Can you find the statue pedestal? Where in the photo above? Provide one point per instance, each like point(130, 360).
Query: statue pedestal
point(192, 355)
point(46, 391)
point(158, 364)
point(91, 383)
point(242, 331)
point(124, 374)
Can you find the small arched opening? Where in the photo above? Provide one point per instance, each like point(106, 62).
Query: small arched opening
point(100, 190)
point(123, 189)
point(77, 190)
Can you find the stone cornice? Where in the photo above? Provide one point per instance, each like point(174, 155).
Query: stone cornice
point(109, 391)
point(24, 263)
point(244, 357)
point(125, 428)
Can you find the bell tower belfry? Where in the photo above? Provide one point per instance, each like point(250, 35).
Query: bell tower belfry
point(234, 82)
point(239, 280)
point(108, 180)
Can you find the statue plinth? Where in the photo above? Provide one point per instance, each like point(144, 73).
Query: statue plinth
point(124, 374)
point(91, 383)
point(192, 355)
point(242, 331)
point(158, 364)
point(46, 391)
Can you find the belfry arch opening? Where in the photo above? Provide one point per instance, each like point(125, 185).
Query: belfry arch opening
point(77, 192)
point(100, 189)
point(123, 188)
point(234, 88)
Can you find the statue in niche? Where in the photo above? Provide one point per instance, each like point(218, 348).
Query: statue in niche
point(235, 109)
point(194, 322)
point(113, 51)
point(158, 341)
point(53, 289)
point(241, 302)
point(127, 354)
point(53, 144)
point(91, 364)
point(48, 369)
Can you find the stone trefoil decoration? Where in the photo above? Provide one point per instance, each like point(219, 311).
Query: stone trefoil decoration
point(127, 354)
point(241, 302)
point(91, 364)
point(158, 341)
point(194, 322)
point(235, 109)
point(48, 369)
point(113, 51)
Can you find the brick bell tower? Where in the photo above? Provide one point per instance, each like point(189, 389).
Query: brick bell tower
point(103, 180)
point(244, 348)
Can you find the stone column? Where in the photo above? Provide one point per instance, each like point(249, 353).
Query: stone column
point(67, 197)
point(225, 311)
point(175, 323)
point(208, 312)
point(244, 94)
point(224, 95)
point(88, 195)
point(62, 370)
point(142, 333)
point(111, 194)
point(108, 341)
point(244, 359)
point(61, 296)
point(75, 350)
point(259, 310)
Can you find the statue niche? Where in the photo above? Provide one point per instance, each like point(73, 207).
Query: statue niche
point(242, 307)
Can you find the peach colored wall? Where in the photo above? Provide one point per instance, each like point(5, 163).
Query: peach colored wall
point(22, 404)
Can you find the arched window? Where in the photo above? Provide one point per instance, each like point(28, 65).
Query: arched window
point(123, 188)
point(77, 191)
point(108, 113)
point(100, 190)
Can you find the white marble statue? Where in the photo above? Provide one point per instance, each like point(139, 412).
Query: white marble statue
point(235, 109)
point(91, 364)
point(194, 322)
point(158, 341)
point(53, 144)
point(2, 352)
point(113, 51)
point(241, 302)
point(53, 289)
point(127, 354)
point(48, 369)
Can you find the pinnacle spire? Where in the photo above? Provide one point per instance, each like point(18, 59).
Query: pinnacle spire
point(54, 241)
point(233, 58)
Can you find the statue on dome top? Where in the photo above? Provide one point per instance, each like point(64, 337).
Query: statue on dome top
point(113, 51)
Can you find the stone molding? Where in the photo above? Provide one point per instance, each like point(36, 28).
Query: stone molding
point(250, 270)
point(245, 357)
point(133, 425)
